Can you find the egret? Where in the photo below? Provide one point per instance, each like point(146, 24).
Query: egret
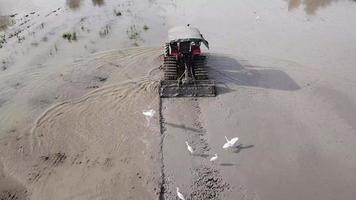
point(180, 195)
point(149, 113)
point(190, 149)
point(230, 143)
point(215, 157)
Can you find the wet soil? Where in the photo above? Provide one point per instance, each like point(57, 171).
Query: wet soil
point(76, 75)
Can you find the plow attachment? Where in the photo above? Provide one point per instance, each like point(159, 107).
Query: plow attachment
point(198, 88)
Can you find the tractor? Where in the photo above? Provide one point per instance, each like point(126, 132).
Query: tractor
point(184, 65)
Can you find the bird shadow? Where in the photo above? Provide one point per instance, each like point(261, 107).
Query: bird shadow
point(241, 147)
point(203, 155)
point(227, 164)
point(182, 126)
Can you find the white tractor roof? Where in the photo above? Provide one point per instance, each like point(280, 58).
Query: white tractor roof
point(181, 33)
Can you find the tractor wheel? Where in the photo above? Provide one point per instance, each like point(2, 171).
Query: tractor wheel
point(200, 69)
point(166, 49)
point(170, 68)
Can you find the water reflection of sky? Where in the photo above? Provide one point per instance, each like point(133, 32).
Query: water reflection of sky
point(311, 6)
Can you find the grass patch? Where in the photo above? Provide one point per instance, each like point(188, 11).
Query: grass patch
point(104, 31)
point(20, 38)
point(70, 36)
point(117, 13)
point(145, 27)
point(2, 40)
point(133, 33)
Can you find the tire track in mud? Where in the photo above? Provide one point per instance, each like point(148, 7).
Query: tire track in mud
point(101, 137)
point(163, 176)
point(32, 90)
point(194, 174)
point(116, 95)
point(105, 126)
point(11, 189)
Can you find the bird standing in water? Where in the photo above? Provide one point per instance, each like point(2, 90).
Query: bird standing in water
point(149, 113)
point(215, 157)
point(190, 149)
point(180, 195)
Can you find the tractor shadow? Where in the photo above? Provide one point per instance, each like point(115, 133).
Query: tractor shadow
point(241, 147)
point(226, 70)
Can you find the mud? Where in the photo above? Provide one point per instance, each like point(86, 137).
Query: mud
point(11, 189)
point(61, 147)
point(208, 184)
point(71, 122)
point(196, 177)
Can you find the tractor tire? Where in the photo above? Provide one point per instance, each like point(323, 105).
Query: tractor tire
point(166, 49)
point(170, 68)
point(199, 67)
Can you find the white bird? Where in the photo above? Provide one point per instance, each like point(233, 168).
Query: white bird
point(212, 159)
point(230, 143)
point(149, 113)
point(190, 149)
point(180, 195)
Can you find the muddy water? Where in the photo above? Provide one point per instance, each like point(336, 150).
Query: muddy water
point(270, 57)
point(36, 36)
point(33, 49)
point(293, 29)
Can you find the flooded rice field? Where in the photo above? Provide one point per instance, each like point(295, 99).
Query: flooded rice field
point(76, 77)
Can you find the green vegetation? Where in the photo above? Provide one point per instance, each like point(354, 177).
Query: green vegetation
point(70, 36)
point(145, 27)
point(133, 33)
point(74, 36)
point(20, 38)
point(117, 13)
point(2, 40)
point(104, 31)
